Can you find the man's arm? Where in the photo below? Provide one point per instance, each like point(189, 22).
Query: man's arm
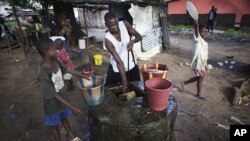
point(120, 64)
point(77, 73)
point(196, 28)
point(132, 32)
point(66, 103)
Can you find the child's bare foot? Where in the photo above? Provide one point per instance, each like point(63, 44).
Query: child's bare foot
point(200, 96)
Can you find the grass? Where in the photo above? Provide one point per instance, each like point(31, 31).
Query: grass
point(238, 33)
point(180, 27)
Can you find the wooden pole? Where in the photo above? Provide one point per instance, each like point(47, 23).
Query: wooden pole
point(22, 32)
point(165, 32)
point(85, 25)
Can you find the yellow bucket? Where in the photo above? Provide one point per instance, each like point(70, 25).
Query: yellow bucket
point(98, 59)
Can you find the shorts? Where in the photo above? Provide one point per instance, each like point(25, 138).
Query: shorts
point(55, 120)
point(115, 77)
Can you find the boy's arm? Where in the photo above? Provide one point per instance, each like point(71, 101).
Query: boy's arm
point(196, 28)
point(66, 103)
point(78, 73)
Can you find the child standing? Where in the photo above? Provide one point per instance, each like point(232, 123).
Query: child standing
point(199, 62)
point(64, 58)
point(50, 78)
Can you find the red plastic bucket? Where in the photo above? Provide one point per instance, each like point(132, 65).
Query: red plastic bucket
point(154, 70)
point(158, 90)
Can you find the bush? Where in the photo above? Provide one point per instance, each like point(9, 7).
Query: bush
point(180, 27)
point(238, 33)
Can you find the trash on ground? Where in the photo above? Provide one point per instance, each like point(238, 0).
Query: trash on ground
point(12, 106)
point(226, 62)
point(227, 127)
point(231, 67)
point(13, 115)
point(181, 64)
point(17, 60)
point(220, 64)
point(233, 62)
point(210, 67)
point(175, 89)
point(236, 120)
point(187, 64)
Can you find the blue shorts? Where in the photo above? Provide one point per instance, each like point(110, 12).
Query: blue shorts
point(55, 120)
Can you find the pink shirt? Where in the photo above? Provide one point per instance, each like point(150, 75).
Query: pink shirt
point(64, 57)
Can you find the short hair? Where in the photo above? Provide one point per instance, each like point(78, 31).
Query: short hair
point(58, 41)
point(43, 45)
point(109, 16)
point(213, 6)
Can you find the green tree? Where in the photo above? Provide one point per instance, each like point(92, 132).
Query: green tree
point(15, 4)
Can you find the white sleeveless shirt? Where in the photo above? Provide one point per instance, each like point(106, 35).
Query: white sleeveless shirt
point(121, 48)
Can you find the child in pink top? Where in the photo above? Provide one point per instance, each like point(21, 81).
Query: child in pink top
point(63, 55)
point(64, 58)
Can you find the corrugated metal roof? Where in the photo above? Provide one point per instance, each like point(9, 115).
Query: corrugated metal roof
point(119, 1)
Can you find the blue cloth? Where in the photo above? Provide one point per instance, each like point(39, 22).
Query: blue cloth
point(54, 120)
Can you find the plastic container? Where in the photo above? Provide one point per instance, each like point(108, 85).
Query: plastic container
point(154, 70)
point(92, 90)
point(192, 10)
point(82, 43)
point(158, 91)
point(98, 59)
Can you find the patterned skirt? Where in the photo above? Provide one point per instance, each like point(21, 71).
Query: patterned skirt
point(199, 73)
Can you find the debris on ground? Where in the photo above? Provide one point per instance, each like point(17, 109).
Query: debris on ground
point(210, 67)
point(12, 106)
point(12, 115)
point(233, 118)
point(227, 127)
point(242, 94)
point(220, 64)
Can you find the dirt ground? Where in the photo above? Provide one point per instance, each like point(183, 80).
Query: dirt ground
point(196, 120)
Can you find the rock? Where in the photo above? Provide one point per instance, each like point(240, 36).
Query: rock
point(220, 64)
point(233, 62)
point(231, 67)
point(210, 67)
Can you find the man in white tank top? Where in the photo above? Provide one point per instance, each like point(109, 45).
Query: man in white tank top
point(118, 43)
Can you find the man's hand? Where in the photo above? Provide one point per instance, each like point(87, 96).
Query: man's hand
point(78, 73)
point(124, 88)
point(130, 45)
point(77, 110)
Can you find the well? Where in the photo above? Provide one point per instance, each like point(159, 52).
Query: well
point(131, 121)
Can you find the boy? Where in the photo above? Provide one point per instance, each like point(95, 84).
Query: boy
point(64, 58)
point(50, 77)
point(199, 62)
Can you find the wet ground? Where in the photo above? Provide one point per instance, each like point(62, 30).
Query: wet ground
point(196, 120)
